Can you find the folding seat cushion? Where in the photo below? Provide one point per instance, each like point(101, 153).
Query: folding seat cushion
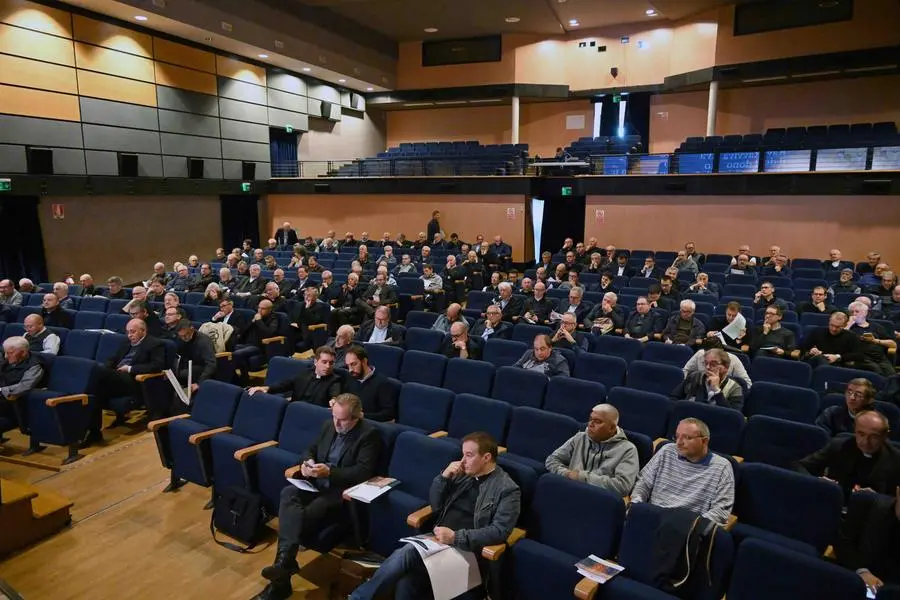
point(573, 397)
point(779, 370)
point(608, 370)
point(591, 523)
point(786, 508)
point(726, 425)
point(419, 318)
point(779, 442)
point(471, 413)
point(423, 407)
point(667, 354)
point(782, 401)
point(789, 575)
point(503, 353)
point(643, 412)
point(423, 367)
point(81, 344)
point(525, 332)
point(534, 434)
point(424, 340)
point(386, 359)
point(94, 304)
point(653, 377)
point(519, 387)
point(464, 376)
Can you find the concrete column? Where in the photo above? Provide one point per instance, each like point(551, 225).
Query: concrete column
point(515, 120)
point(712, 108)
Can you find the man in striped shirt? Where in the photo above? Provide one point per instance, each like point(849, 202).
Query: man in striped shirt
point(686, 474)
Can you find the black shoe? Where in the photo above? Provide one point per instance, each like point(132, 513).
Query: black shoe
point(276, 591)
point(284, 566)
point(119, 421)
point(92, 438)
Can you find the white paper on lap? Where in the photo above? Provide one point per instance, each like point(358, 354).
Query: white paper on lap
point(452, 572)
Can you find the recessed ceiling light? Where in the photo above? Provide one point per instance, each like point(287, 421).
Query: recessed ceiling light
point(651, 12)
point(264, 56)
point(512, 19)
point(573, 22)
point(306, 69)
point(431, 30)
point(342, 81)
point(140, 18)
point(370, 89)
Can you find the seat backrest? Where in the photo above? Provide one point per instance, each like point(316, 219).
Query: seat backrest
point(93, 303)
point(108, 346)
point(827, 379)
point(535, 433)
point(301, 426)
point(643, 412)
point(464, 376)
point(478, 300)
point(418, 459)
point(89, 320)
point(525, 332)
point(653, 377)
point(573, 397)
point(71, 375)
point(424, 407)
point(725, 424)
point(385, 358)
point(626, 349)
point(667, 354)
point(792, 504)
point(476, 413)
point(591, 522)
point(81, 344)
point(779, 370)
point(423, 367)
point(779, 442)
point(259, 416)
point(116, 322)
point(284, 368)
point(420, 318)
point(503, 353)
point(519, 387)
point(425, 340)
point(789, 575)
point(215, 403)
point(608, 370)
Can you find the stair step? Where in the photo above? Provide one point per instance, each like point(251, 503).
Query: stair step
point(12, 492)
point(48, 503)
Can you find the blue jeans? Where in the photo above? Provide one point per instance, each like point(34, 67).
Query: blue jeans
point(404, 567)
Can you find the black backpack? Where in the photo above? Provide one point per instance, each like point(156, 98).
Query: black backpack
point(239, 514)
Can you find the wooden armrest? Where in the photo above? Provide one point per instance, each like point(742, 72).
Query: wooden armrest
point(738, 459)
point(795, 354)
point(745, 348)
point(501, 449)
point(829, 553)
point(83, 398)
point(227, 355)
point(205, 435)
point(495, 551)
point(245, 453)
point(291, 472)
point(418, 518)
point(586, 589)
point(317, 327)
point(160, 423)
point(657, 442)
point(438, 434)
point(277, 339)
point(731, 522)
point(416, 297)
point(145, 376)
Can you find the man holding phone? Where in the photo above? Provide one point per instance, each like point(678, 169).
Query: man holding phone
point(876, 340)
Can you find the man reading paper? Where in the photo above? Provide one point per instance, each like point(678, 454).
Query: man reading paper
point(476, 504)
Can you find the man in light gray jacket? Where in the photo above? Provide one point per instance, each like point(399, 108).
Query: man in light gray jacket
point(600, 455)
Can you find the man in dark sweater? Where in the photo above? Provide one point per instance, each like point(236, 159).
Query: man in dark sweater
point(818, 303)
point(869, 538)
point(832, 346)
point(378, 396)
point(196, 348)
point(771, 339)
point(841, 418)
point(316, 386)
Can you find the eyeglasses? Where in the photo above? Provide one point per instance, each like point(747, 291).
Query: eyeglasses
point(688, 438)
point(713, 364)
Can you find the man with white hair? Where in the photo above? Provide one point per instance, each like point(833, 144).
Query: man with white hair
point(606, 316)
point(713, 385)
point(510, 306)
point(182, 282)
point(20, 371)
point(684, 327)
point(342, 343)
point(834, 262)
point(138, 296)
point(601, 455)
point(254, 285)
point(26, 286)
point(61, 290)
point(876, 340)
point(159, 272)
point(87, 286)
point(286, 237)
point(40, 339)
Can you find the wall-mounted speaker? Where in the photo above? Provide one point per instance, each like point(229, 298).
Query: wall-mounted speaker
point(447, 187)
point(322, 188)
point(325, 110)
point(675, 186)
point(876, 186)
point(195, 168)
point(354, 100)
point(39, 161)
point(128, 165)
point(248, 170)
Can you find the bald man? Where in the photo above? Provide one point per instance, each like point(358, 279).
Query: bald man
point(40, 339)
point(250, 345)
point(600, 455)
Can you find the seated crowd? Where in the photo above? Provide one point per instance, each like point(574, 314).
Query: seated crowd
point(478, 296)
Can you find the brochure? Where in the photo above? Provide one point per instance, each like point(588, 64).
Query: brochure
point(371, 489)
point(599, 570)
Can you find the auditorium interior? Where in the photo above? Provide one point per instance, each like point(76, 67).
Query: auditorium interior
point(685, 177)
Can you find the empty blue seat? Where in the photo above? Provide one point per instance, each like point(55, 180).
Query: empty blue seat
point(534, 434)
point(423, 407)
point(283, 368)
point(471, 413)
point(94, 304)
point(608, 370)
point(423, 367)
point(643, 412)
point(425, 340)
point(828, 379)
point(420, 318)
point(626, 349)
point(779, 370)
point(573, 397)
point(519, 387)
point(89, 320)
point(464, 376)
point(675, 355)
point(782, 401)
point(653, 377)
point(779, 442)
point(525, 332)
point(81, 344)
point(503, 353)
point(116, 322)
point(726, 425)
point(386, 359)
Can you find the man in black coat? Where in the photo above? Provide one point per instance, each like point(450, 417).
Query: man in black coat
point(286, 236)
point(308, 313)
point(229, 316)
point(379, 293)
point(375, 391)
point(53, 314)
point(198, 349)
point(869, 538)
point(510, 305)
point(316, 386)
point(264, 325)
point(346, 453)
point(833, 345)
point(537, 308)
point(459, 344)
point(576, 305)
point(380, 330)
point(492, 326)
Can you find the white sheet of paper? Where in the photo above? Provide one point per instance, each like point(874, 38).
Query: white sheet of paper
point(733, 329)
point(190, 379)
point(452, 572)
point(366, 492)
point(179, 391)
point(303, 485)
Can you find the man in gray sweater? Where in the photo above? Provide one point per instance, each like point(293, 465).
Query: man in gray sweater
point(600, 455)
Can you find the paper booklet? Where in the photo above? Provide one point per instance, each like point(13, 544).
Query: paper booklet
point(596, 569)
point(734, 329)
point(303, 485)
point(452, 571)
point(425, 543)
point(371, 489)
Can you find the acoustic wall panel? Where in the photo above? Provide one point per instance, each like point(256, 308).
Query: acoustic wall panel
point(235, 69)
point(109, 87)
point(13, 159)
point(176, 166)
point(118, 139)
point(286, 83)
point(36, 45)
point(187, 79)
point(107, 163)
point(38, 103)
point(239, 90)
point(184, 56)
point(189, 145)
point(37, 17)
point(68, 161)
point(112, 36)
point(15, 70)
point(285, 101)
point(241, 111)
point(187, 123)
point(185, 101)
point(113, 62)
point(282, 118)
point(245, 151)
point(247, 132)
point(233, 170)
point(324, 92)
point(118, 114)
point(44, 132)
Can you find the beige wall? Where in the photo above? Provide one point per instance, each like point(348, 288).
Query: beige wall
point(804, 226)
point(125, 235)
point(466, 215)
point(353, 136)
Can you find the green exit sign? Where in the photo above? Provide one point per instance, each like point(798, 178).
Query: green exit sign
point(5, 185)
point(617, 98)
point(567, 190)
point(289, 128)
point(246, 186)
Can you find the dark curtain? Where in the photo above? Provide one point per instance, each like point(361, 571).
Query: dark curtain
point(283, 153)
point(563, 216)
point(21, 241)
point(240, 220)
point(609, 118)
point(637, 117)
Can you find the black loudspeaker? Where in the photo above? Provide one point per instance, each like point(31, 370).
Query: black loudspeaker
point(40, 161)
point(128, 165)
point(354, 99)
point(322, 188)
point(675, 186)
point(195, 168)
point(248, 170)
point(447, 187)
point(876, 186)
point(325, 109)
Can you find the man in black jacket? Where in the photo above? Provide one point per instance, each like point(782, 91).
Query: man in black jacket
point(286, 237)
point(316, 386)
point(264, 325)
point(834, 345)
point(457, 343)
point(536, 309)
point(53, 314)
point(229, 316)
point(308, 313)
point(198, 349)
point(346, 453)
point(378, 396)
point(510, 306)
point(869, 538)
point(380, 330)
point(492, 326)
point(379, 293)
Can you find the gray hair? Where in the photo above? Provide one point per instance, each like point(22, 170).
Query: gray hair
point(17, 342)
point(505, 285)
point(609, 410)
point(703, 427)
point(689, 304)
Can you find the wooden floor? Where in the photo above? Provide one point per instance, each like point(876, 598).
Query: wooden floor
point(128, 540)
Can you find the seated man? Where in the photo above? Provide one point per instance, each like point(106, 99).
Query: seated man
point(567, 336)
point(868, 541)
point(741, 265)
point(537, 308)
point(228, 316)
point(510, 306)
point(379, 293)
point(311, 311)
point(342, 342)
point(543, 358)
point(834, 262)
point(20, 371)
point(575, 305)
point(687, 475)
point(346, 453)
point(492, 326)
point(459, 344)
point(316, 386)
point(61, 290)
point(834, 345)
point(377, 395)
point(406, 265)
point(40, 339)
point(53, 314)
point(182, 282)
point(703, 286)
point(770, 338)
point(264, 325)
point(606, 317)
point(195, 348)
point(777, 267)
point(845, 285)
point(642, 323)
point(477, 505)
point(600, 455)
point(766, 297)
point(650, 270)
point(712, 386)
point(876, 341)
point(866, 461)
point(697, 364)
point(445, 321)
point(380, 330)
point(719, 323)
point(684, 328)
point(657, 300)
point(858, 398)
point(9, 297)
point(685, 262)
point(818, 303)
point(115, 288)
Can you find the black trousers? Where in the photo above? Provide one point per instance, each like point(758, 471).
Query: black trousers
point(111, 384)
point(302, 515)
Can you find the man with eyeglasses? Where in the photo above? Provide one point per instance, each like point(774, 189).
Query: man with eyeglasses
point(841, 418)
point(141, 310)
point(712, 386)
point(771, 339)
point(765, 297)
point(492, 326)
point(817, 303)
point(687, 475)
point(459, 344)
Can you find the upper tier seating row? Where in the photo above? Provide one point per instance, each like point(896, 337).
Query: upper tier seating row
point(814, 136)
point(440, 158)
